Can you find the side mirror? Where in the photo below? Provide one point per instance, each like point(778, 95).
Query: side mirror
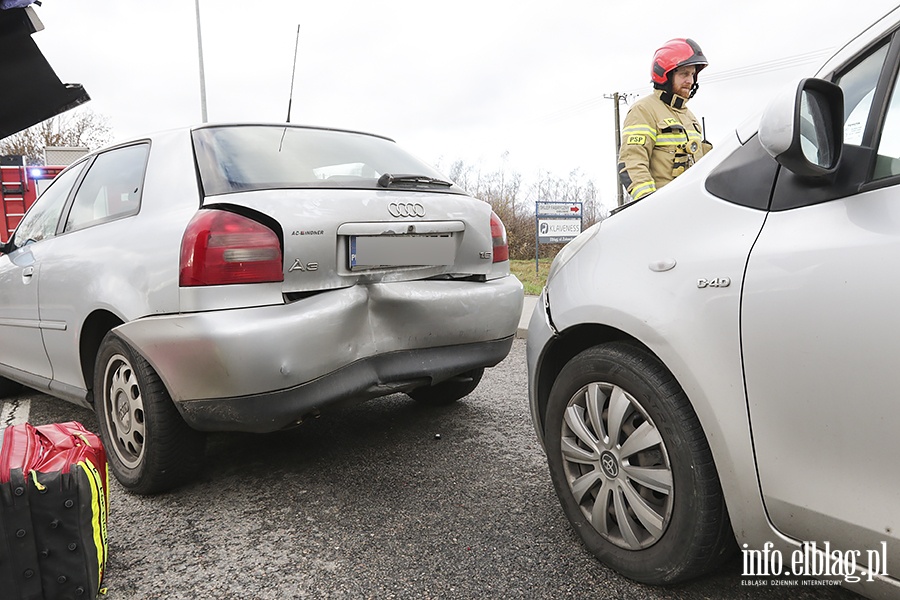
point(802, 128)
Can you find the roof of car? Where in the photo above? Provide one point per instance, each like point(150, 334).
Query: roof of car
point(861, 42)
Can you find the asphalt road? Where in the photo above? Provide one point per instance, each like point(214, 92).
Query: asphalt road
point(386, 499)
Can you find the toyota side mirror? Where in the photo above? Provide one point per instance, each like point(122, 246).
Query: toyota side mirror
point(802, 128)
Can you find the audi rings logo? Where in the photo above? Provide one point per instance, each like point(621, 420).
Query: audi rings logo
point(406, 209)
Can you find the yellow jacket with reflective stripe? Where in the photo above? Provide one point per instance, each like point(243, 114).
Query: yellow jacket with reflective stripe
point(660, 141)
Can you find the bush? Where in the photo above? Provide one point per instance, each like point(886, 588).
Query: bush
point(521, 229)
point(503, 190)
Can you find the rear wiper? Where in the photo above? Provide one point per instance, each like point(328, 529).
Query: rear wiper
point(387, 180)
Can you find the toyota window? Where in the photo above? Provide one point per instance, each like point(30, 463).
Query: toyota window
point(858, 85)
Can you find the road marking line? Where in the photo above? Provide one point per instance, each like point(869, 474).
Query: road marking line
point(14, 412)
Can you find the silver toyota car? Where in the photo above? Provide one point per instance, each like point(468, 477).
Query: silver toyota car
point(719, 359)
point(244, 277)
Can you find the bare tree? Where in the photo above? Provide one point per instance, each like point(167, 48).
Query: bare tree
point(514, 200)
point(81, 128)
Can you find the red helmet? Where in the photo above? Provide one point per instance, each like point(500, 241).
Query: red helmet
point(676, 53)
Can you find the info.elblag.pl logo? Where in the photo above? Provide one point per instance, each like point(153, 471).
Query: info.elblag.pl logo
point(813, 561)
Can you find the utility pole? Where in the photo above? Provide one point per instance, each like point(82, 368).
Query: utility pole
point(620, 199)
point(200, 56)
point(617, 98)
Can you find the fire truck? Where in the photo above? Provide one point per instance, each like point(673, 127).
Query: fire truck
point(20, 186)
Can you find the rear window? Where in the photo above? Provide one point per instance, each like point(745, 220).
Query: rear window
point(260, 157)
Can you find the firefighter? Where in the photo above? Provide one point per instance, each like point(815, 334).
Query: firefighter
point(661, 138)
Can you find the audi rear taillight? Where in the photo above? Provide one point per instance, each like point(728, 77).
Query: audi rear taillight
point(498, 239)
point(220, 248)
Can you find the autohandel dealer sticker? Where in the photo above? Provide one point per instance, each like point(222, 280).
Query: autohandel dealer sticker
point(811, 565)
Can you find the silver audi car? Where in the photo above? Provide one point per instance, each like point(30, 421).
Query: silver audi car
point(242, 277)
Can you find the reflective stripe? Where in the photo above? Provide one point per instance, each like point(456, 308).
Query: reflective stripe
point(642, 190)
point(99, 512)
point(673, 139)
point(40, 487)
point(640, 130)
point(661, 139)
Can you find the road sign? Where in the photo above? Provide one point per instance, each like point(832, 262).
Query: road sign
point(557, 222)
point(555, 231)
point(558, 209)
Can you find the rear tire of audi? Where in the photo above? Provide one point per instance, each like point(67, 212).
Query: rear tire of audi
point(149, 447)
point(632, 467)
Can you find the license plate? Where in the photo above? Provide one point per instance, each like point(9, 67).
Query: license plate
point(372, 251)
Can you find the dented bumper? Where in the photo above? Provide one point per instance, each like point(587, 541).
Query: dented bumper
point(361, 342)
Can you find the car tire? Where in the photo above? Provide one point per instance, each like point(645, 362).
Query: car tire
point(642, 492)
point(149, 447)
point(9, 387)
point(449, 391)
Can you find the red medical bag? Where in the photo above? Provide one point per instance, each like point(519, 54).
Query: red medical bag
point(54, 500)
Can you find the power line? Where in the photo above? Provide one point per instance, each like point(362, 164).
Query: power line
point(777, 64)
point(772, 65)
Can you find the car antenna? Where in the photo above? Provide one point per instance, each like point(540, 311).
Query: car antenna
point(293, 72)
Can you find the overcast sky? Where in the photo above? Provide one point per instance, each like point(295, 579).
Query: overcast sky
point(464, 80)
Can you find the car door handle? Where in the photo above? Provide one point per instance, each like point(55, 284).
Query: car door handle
point(27, 272)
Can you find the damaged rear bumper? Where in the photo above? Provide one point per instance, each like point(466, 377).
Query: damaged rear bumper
point(262, 368)
point(367, 378)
